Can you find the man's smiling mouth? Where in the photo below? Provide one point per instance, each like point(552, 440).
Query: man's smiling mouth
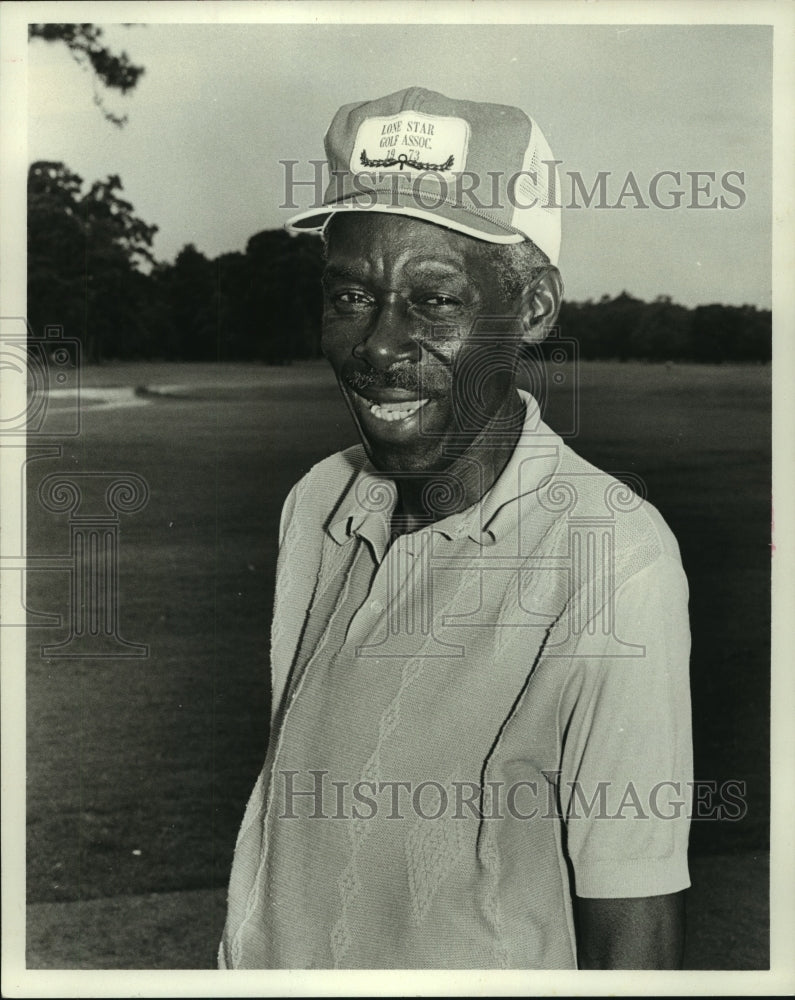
point(391, 412)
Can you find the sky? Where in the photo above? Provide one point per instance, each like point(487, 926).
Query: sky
point(220, 105)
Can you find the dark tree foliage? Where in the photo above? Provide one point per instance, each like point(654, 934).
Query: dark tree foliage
point(85, 252)
point(283, 295)
point(187, 287)
point(84, 42)
point(624, 327)
point(261, 305)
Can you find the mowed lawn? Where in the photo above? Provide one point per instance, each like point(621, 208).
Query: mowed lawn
point(138, 770)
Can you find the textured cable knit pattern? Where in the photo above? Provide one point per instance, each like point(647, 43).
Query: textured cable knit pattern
point(432, 850)
point(349, 883)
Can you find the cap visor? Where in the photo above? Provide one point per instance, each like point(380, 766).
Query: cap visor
point(391, 202)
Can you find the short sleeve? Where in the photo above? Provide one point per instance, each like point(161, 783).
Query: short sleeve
point(288, 507)
point(626, 760)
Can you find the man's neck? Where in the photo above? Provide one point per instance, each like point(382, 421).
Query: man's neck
point(424, 500)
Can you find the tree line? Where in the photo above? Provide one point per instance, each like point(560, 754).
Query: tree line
point(92, 271)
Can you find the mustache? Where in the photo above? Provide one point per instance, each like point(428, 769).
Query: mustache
point(397, 377)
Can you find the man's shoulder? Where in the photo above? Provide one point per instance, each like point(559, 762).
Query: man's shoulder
point(322, 488)
point(336, 468)
point(616, 499)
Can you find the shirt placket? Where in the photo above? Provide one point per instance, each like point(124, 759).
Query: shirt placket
point(389, 607)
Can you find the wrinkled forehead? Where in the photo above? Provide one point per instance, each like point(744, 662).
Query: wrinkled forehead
point(367, 236)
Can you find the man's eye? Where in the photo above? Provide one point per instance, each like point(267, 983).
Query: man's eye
point(349, 301)
point(445, 303)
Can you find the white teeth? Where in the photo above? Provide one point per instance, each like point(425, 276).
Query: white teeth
point(396, 411)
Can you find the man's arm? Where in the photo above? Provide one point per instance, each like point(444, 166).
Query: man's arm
point(647, 932)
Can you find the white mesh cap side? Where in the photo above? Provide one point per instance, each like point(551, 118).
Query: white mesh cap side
point(534, 196)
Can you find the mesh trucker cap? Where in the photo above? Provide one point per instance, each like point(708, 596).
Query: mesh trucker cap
point(481, 169)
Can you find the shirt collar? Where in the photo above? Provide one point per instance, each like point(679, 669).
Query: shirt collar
point(366, 508)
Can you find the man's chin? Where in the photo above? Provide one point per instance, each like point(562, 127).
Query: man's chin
point(392, 434)
point(393, 459)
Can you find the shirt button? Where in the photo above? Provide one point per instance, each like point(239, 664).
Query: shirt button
point(376, 606)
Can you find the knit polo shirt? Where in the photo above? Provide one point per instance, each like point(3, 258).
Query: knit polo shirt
point(471, 724)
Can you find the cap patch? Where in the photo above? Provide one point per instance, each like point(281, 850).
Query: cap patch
point(411, 140)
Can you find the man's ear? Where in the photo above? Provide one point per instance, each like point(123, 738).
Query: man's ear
point(541, 299)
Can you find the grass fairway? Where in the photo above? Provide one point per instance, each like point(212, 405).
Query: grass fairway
point(138, 770)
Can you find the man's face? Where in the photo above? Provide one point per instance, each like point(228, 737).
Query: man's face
point(401, 301)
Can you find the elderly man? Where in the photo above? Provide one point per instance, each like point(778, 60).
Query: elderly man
point(480, 742)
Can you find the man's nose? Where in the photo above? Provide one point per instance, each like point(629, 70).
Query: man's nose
point(388, 339)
